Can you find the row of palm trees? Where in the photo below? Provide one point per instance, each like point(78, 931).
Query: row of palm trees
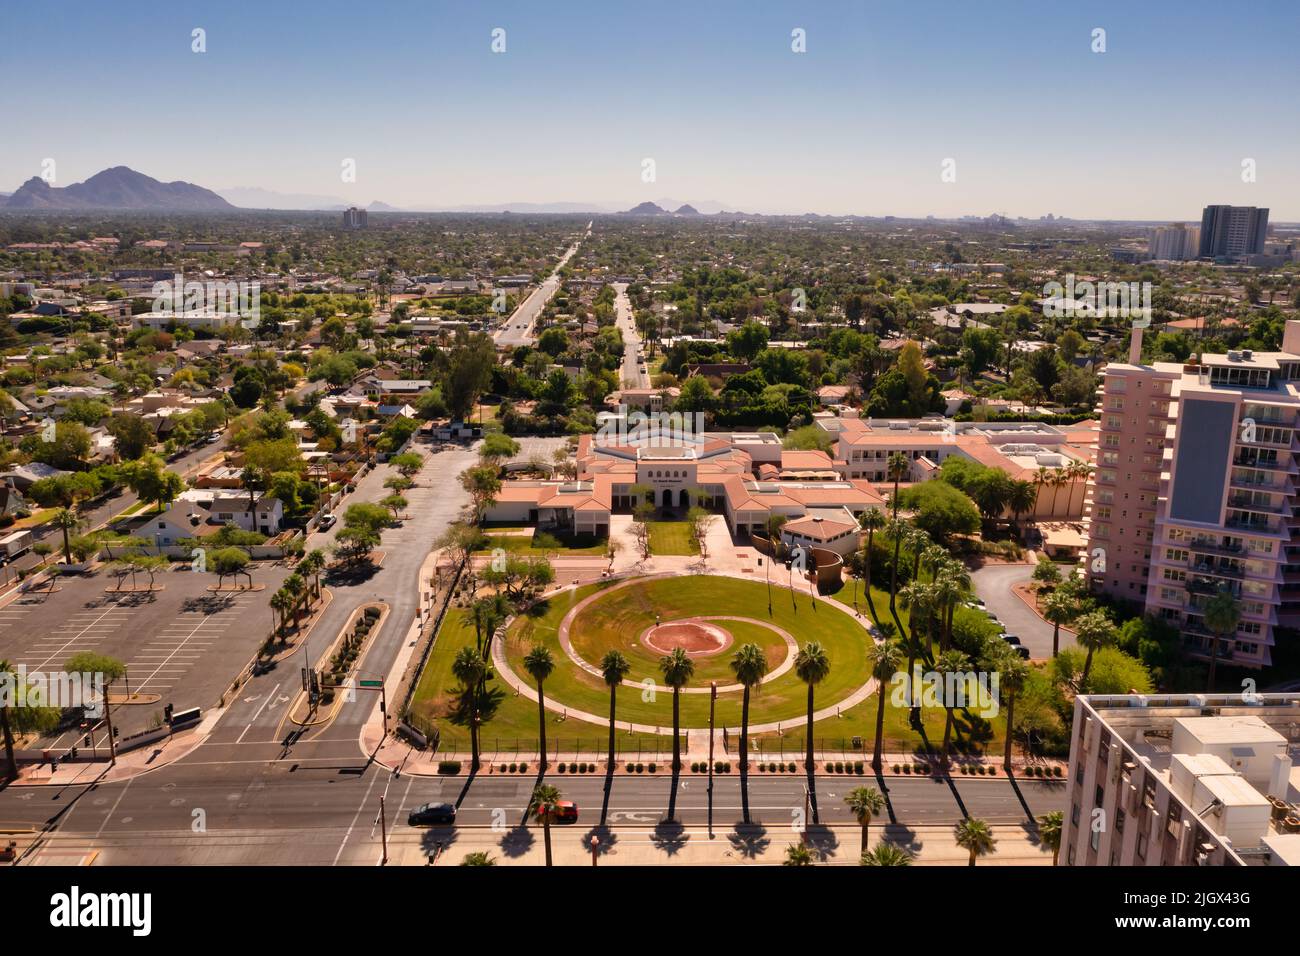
point(1058, 478)
point(294, 595)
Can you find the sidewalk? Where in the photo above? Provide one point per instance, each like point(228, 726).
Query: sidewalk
point(670, 844)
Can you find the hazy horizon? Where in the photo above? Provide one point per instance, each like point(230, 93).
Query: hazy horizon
point(1153, 129)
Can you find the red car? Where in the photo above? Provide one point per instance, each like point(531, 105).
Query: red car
point(566, 811)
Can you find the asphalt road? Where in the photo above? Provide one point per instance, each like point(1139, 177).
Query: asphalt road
point(322, 811)
point(518, 329)
point(633, 377)
point(993, 584)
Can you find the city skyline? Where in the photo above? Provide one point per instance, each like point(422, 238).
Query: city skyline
point(859, 124)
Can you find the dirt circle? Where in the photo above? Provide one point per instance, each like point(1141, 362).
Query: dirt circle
point(696, 637)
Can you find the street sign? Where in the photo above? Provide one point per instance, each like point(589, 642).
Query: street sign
point(370, 683)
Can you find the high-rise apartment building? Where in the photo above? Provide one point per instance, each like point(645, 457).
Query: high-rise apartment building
point(1174, 243)
point(1199, 780)
point(354, 218)
point(1231, 231)
point(1195, 492)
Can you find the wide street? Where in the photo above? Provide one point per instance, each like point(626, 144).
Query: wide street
point(518, 329)
point(632, 376)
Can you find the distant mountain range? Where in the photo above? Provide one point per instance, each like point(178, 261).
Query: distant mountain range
point(116, 188)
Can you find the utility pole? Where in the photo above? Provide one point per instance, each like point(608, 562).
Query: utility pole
point(713, 701)
point(383, 830)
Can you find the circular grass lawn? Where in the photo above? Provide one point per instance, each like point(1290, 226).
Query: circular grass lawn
point(620, 615)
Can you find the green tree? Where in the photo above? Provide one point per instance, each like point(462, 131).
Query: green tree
point(949, 663)
point(542, 806)
point(812, 665)
point(108, 669)
point(1059, 608)
point(976, 837)
point(614, 667)
point(1093, 631)
point(798, 854)
point(865, 803)
point(229, 562)
point(884, 659)
point(886, 854)
point(23, 720)
point(469, 668)
point(1050, 827)
point(749, 665)
point(677, 669)
point(539, 663)
point(1222, 614)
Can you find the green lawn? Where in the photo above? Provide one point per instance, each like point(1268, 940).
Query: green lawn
point(615, 617)
point(671, 537)
point(543, 543)
point(511, 721)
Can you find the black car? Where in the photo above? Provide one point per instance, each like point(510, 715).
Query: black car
point(1022, 651)
point(432, 814)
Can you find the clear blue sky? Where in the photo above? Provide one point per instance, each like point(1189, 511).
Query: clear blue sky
point(1155, 127)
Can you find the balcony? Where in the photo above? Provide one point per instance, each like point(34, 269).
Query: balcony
point(1210, 547)
point(1218, 570)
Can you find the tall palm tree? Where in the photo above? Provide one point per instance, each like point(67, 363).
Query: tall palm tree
point(1078, 471)
point(865, 803)
point(313, 564)
point(883, 659)
point(281, 603)
point(1049, 831)
point(1012, 674)
point(67, 520)
point(812, 665)
point(951, 661)
point(1058, 481)
point(614, 667)
point(677, 669)
point(749, 665)
point(896, 467)
point(917, 542)
point(542, 806)
point(6, 729)
point(1222, 614)
point(1042, 479)
point(1059, 608)
point(950, 585)
point(886, 854)
point(933, 558)
point(469, 668)
point(917, 599)
point(539, 663)
point(872, 521)
point(975, 836)
point(1093, 631)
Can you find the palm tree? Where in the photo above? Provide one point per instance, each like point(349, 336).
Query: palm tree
point(541, 806)
point(1022, 498)
point(798, 854)
point(896, 467)
point(539, 663)
point(613, 668)
point(1049, 831)
point(478, 858)
point(1077, 471)
point(677, 669)
point(917, 542)
point(812, 665)
point(469, 668)
point(67, 520)
point(1222, 614)
point(1012, 676)
point(1058, 481)
point(774, 523)
point(883, 659)
point(281, 603)
point(873, 521)
point(1042, 479)
point(975, 835)
point(313, 564)
point(749, 665)
point(5, 728)
point(948, 663)
point(886, 854)
point(865, 803)
point(917, 599)
point(1093, 631)
point(950, 585)
point(1059, 608)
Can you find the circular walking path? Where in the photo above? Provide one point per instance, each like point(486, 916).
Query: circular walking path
point(504, 670)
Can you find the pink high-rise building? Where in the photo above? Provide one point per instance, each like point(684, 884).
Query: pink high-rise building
point(1195, 492)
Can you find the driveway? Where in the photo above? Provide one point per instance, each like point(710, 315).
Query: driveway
point(993, 584)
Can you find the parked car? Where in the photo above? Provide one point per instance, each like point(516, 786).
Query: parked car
point(326, 521)
point(432, 814)
point(977, 604)
point(1011, 638)
point(566, 811)
point(1022, 651)
point(214, 438)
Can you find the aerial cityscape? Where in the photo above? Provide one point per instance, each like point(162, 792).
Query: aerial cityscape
point(584, 439)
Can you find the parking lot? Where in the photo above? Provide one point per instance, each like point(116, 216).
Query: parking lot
point(182, 645)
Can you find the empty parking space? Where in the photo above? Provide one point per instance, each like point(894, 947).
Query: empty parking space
point(181, 645)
